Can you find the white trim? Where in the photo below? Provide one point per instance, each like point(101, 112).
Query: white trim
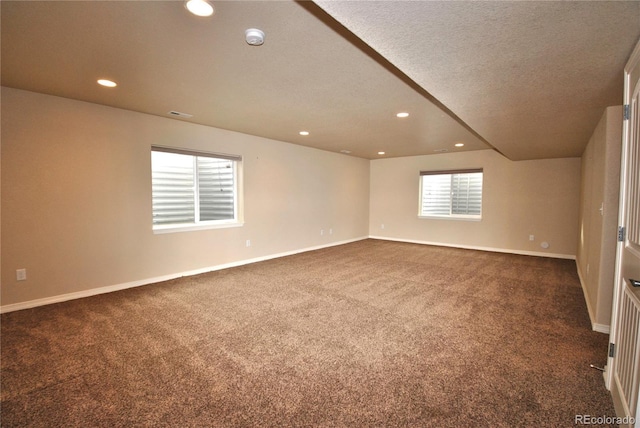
point(111, 288)
point(457, 217)
point(117, 287)
point(585, 293)
point(189, 152)
point(618, 287)
point(172, 228)
point(600, 328)
point(474, 247)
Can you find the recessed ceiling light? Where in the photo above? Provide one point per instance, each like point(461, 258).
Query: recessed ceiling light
point(403, 114)
point(380, 153)
point(107, 83)
point(346, 152)
point(199, 7)
point(304, 133)
point(459, 144)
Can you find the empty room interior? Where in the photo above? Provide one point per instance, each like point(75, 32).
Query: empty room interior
point(327, 213)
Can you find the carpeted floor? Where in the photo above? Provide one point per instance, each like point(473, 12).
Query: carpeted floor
point(371, 333)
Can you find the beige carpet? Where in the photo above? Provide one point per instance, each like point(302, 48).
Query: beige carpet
point(371, 333)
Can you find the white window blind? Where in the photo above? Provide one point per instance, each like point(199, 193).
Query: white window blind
point(451, 193)
point(192, 187)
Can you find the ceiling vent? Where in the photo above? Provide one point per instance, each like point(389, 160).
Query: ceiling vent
point(179, 114)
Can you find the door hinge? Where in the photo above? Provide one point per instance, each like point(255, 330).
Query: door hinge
point(620, 233)
point(612, 350)
point(627, 112)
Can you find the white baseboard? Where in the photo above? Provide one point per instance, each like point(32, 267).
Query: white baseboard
point(474, 247)
point(600, 328)
point(111, 288)
point(585, 293)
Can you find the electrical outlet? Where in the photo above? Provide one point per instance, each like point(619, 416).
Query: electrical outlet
point(382, 226)
point(248, 242)
point(330, 231)
point(321, 232)
point(21, 274)
point(531, 237)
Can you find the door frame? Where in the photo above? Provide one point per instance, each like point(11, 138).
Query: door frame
point(619, 284)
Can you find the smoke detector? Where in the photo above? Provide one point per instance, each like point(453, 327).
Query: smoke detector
point(254, 37)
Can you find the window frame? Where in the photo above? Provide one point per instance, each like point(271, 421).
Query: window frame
point(451, 215)
point(237, 221)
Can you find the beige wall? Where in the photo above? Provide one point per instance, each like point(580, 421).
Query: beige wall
point(76, 201)
point(597, 241)
point(76, 198)
point(538, 197)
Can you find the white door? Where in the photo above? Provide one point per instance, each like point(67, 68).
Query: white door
point(625, 324)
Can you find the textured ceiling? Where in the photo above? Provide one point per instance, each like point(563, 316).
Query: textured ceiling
point(529, 79)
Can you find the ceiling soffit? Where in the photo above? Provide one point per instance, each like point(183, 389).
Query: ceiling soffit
point(532, 78)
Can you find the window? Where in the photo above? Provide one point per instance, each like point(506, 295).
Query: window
point(193, 189)
point(454, 194)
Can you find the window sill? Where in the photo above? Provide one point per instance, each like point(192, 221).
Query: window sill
point(191, 227)
point(442, 217)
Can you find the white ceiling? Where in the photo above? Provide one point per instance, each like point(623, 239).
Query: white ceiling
point(530, 79)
